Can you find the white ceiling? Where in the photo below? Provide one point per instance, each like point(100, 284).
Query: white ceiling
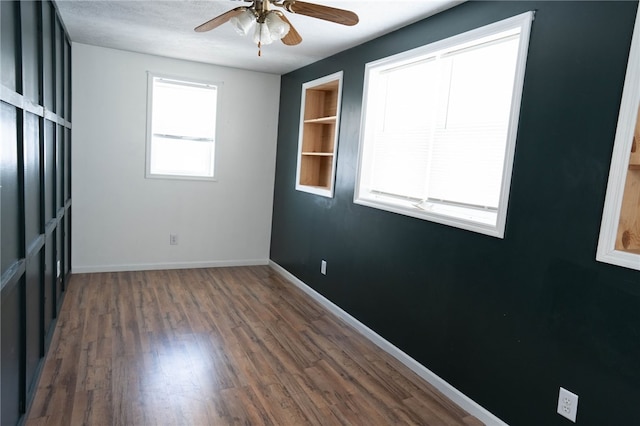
point(165, 28)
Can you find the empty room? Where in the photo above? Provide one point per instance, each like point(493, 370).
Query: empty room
point(319, 213)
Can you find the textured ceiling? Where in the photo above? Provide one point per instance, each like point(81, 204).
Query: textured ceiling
point(165, 28)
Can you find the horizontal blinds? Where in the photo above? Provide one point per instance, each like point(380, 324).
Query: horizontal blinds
point(399, 163)
point(471, 136)
point(403, 128)
point(441, 125)
point(467, 165)
point(184, 109)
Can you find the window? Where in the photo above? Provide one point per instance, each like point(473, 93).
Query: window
point(181, 128)
point(439, 127)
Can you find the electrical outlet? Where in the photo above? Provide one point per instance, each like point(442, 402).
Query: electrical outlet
point(173, 239)
point(567, 404)
point(323, 267)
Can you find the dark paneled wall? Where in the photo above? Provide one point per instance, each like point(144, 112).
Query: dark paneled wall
point(35, 120)
point(507, 322)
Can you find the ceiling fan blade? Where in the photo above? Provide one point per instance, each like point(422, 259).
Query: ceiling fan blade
point(219, 20)
point(293, 37)
point(339, 16)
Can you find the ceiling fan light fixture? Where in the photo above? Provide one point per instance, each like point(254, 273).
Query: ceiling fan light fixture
point(277, 27)
point(262, 36)
point(244, 22)
point(273, 25)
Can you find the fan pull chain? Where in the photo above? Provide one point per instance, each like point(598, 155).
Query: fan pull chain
point(259, 49)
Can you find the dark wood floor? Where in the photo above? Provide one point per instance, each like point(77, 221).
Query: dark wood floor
point(221, 346)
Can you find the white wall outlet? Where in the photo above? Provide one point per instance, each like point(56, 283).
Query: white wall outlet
point(567, 404)
point(323, 267)
point(173, 239)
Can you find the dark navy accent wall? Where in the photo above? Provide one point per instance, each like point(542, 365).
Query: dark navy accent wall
point(507, 322)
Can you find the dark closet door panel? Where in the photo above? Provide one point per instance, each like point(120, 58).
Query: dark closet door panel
point(56, 294)
point(11, 392)
point(59, 261)
point(48, 287)
point(33, 325)
point(48, 65)
point(67, 82)
point(31, 140)
point(59, 64)
point(60, 167)
point(67, 164)
point(49, 170)
point(9, 25)
point(30, 12)
point(11, 211)
point(67, 243)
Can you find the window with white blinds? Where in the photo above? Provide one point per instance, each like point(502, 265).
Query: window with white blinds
point(439, 127)
point(181, 128)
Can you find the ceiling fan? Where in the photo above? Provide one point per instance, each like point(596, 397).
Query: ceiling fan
point(272, 24)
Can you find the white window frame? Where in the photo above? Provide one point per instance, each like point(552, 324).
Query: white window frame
point(606, 251)
point(151, 76)
point(439, 212)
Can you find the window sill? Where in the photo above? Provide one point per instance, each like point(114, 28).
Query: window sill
point(483, 222)
point(180, 177)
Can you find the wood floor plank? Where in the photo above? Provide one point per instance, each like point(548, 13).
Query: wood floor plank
point(220, 346)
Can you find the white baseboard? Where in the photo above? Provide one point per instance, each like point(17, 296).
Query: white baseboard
point(167, 265)
point(449, 391)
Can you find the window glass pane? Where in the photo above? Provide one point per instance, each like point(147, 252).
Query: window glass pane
point(405, 120)
point(481, 84)
point(181, 110)
point(467, 166)
point(410, 100)
point(181, 157)
point(471, 140)
point(442, 120)
point(399, 164)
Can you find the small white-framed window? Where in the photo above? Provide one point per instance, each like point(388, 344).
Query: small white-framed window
point(439, 127)
point(181, 128)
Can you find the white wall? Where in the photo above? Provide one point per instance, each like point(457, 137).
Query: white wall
point(120, 219)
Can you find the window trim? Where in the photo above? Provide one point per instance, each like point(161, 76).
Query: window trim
point(408, 207)
point(149, 129)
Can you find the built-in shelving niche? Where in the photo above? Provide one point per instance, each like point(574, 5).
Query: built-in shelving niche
point(628, 234)
point(318, 139)
point(619, 241)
